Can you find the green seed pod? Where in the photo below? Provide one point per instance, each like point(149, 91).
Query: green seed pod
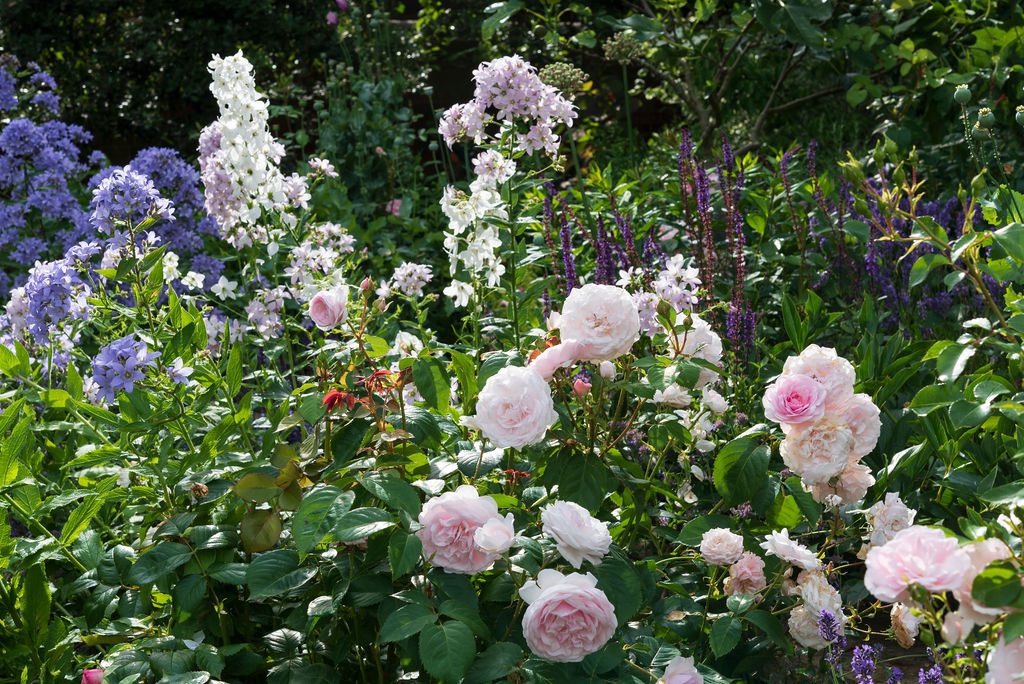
point(986, 118)
point(981, 133)
point(1019, 116)
point(962, 95)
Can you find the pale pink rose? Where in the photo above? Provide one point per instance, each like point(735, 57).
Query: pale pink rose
point(559, 356)
point(568, 617)
point(746, 576)
point(1006, 662)
point(701, 342)
point(496, 535)
point(888, 517)
point(779, 544)
point(905, 625)
point(721, 546)
point(328, 308)
point(450, 523)
point(681, 670)
point(603, 318)
point(715, 402)
point(803, 627)
point(581, 387)
point(794, 399)
point(93, 676)
point(982, 554)
point(674, 395)
point(817, 452)
point(394, 207)
point(955, 627)
point(917, 555)
point(835, 373)
point(514, 408)
point(861, 416)
point(818, 594)
point(606, 369)
point(851, 486)
point(578, 535)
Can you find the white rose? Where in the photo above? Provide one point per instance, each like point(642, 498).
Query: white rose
point(721, 546)
point(817, 452)
point(578, 535)
point(889, 517)
point(673, 395)
point(715, 402)
point(496, 535)
point(702, 342)
point(603, 318)
point(817, 593)
point(851, 486)
point(803, 626)
point(514, 408)
point(607, 370)
point(904, 624)
point(780, 545)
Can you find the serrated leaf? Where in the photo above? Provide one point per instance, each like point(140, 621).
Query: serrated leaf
point(406, 622)
point(276, 573)
point(317, 515)
point(447, 650)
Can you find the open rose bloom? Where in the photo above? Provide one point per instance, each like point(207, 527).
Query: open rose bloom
point(514, 408)
point(462, 531)
point(603, 319)
point(568, 617)
point(917, 555)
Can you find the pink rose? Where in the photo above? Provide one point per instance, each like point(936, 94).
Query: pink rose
point(581, 387)
point(861, 416)
point(514, 408)
point(568, 617)
point(851, 485)
point(982, 554)
point(394, 207)
point(746, 576)
point(955, 627)
point(817, 452)
point(917, 555)
point(681, 670)
point(328, 308)
point(1006, 662)
point(720, 546)
point(559, 356)
point(450, 525)
point(835, 374)
point(603, 318)
point(794, 399)
point(496, 535)
point(93, 676)
point(578, 535)
point(889, 517)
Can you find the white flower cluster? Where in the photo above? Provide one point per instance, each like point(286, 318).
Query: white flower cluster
point(677, 284)
point(317, 257)
point(472, 238)
point(239, 157)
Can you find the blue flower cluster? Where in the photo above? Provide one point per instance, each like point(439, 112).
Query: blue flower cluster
point(119, 365)
point(126, 197)
point(55, 294)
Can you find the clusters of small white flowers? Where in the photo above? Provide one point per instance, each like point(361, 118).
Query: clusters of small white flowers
point(264, 312)
point(239, 157)
point(409, 279)
point(510, 86)
point(215, 326)
point(676, 284)
point(322, 167)
point(472, 238)
point(316, 257)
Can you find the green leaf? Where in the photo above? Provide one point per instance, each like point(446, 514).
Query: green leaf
point(804, 501)
point(55, 398)
point(1011, 239)
point(725, 635)
point(189, 592)
point(771, 626)
point(257, 488)
point(260, 530)
point(923, 266)
point(693, 531)
point(621, 583)
point(404, 552)
point(998, 585)
point(158, 562)
point(361, 523)
point(393, 490)
point(952, 361)
point(581, 478)
point(406, 621)
point(1013, 627)
point(465, 372)
point(498, 661)
point(80, 518)
point(317, 515)
point(8, 361)
point(35, 602)
point(447, 650)
point(500, 13)
point(934, 397)
point(740, 470)
point(791, 321)
point(431, 380)
point(276, 573)
point(234, 374)
point(1004, 494)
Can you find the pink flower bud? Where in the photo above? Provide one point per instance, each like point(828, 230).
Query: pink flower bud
point(93, 676)
point(366, 285)
point(332, 18)
point(581, 387)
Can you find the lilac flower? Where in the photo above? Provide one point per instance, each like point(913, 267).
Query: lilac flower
point(120, 364)
point(828, 626)
point(178, 372)
point(126, 196)
point(568, 261)
point(55, 293)
point(409, 279)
